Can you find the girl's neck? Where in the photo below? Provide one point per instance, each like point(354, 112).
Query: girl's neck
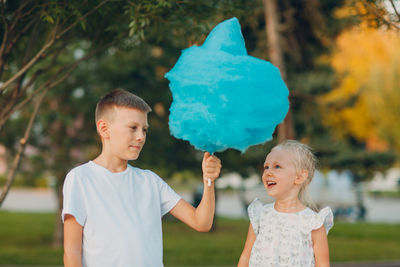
point(288, 205)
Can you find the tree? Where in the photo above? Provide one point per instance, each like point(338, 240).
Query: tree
point(285, 129)
point(375, 14)
point(364, 104)
point(307, 32)
point(362, 108)
point(44, 33)
point(304, 31)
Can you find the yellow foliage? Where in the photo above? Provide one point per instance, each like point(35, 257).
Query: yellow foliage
point(365, 103)
point(369, 12)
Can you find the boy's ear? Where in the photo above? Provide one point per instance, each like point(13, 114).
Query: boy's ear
point(102, 128)
point(301, 177)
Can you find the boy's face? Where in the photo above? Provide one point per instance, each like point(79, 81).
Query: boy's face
point(127, 128)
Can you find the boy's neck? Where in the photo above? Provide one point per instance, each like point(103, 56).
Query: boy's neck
point(112, 164)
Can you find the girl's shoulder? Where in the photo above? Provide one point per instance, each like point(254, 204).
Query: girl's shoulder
point(312, 220)
point(254, 210)
point(257, 205)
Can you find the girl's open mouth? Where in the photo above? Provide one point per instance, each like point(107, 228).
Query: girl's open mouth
point(270, 184)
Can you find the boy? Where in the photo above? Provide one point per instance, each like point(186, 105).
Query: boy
point(112, 211)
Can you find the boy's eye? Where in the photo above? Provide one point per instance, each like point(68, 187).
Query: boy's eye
point(134, 128)
point(266, 168)
point(277, 166)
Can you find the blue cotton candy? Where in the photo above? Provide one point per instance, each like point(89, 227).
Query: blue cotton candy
point(222, 97)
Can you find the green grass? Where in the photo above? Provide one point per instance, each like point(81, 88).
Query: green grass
point(347, 242)
point(364, 242)
point(385, 194)
point(25, 238)
point(184, 246)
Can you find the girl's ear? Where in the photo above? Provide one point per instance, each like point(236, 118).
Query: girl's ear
point(301, 177)
point(102, 129)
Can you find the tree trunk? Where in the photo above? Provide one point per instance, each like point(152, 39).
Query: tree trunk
point(21, 149)
point(58, 238)
point(271, 14)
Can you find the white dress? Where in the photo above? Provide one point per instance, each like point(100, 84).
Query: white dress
point(284, 239)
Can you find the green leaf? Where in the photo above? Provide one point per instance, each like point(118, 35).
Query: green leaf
point(49, 19)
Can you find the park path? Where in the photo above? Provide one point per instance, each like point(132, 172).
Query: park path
point(385, 210)
point(367, 264)
point(359, 264)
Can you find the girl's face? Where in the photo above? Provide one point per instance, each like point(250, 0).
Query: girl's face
point(280, 175)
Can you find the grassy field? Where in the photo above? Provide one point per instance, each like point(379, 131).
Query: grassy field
point(25, 238)
point(385, 194)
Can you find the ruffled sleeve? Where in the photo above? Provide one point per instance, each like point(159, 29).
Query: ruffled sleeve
point(254, 211)
point(323, 217)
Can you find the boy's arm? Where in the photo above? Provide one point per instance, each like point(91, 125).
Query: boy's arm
point(72, 242)
point(320, 246)
point(245, 257)
point(201, 218)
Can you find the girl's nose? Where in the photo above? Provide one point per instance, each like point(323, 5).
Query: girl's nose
point(267, 173)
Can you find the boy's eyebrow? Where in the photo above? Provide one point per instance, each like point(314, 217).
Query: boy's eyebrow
point(137, 123)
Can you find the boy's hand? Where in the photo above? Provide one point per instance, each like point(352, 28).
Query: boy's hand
point(211, 167)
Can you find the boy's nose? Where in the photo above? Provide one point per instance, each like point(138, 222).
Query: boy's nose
point(140, 136)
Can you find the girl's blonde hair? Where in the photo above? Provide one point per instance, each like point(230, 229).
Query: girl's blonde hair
point(304, 159)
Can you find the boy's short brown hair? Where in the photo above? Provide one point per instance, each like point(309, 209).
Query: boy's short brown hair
point(120, 98)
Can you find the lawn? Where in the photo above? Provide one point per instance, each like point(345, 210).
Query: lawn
point(25, 238)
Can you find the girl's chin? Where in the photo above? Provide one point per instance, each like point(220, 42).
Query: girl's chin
point(269, 192)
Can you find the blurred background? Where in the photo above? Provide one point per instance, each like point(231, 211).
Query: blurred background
point(339, 58)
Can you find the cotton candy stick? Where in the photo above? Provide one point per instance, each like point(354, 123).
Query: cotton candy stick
point(209, 180)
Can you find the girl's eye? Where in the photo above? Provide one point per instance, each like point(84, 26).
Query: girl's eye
point(277, 166)
point(144, 130)
point(266, 168)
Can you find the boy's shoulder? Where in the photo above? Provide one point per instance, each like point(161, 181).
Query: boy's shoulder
point(82, 168)
point(91, 169)
point(143, 172)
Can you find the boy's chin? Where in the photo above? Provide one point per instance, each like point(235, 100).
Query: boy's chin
point(133, 158)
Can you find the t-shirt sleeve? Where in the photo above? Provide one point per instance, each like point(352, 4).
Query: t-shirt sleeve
point(73, 202)
point(168, 197)
point(254, 211)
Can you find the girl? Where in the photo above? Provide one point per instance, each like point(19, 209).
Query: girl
point(287, 232)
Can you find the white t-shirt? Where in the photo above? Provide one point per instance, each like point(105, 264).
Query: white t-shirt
point(120, 214)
